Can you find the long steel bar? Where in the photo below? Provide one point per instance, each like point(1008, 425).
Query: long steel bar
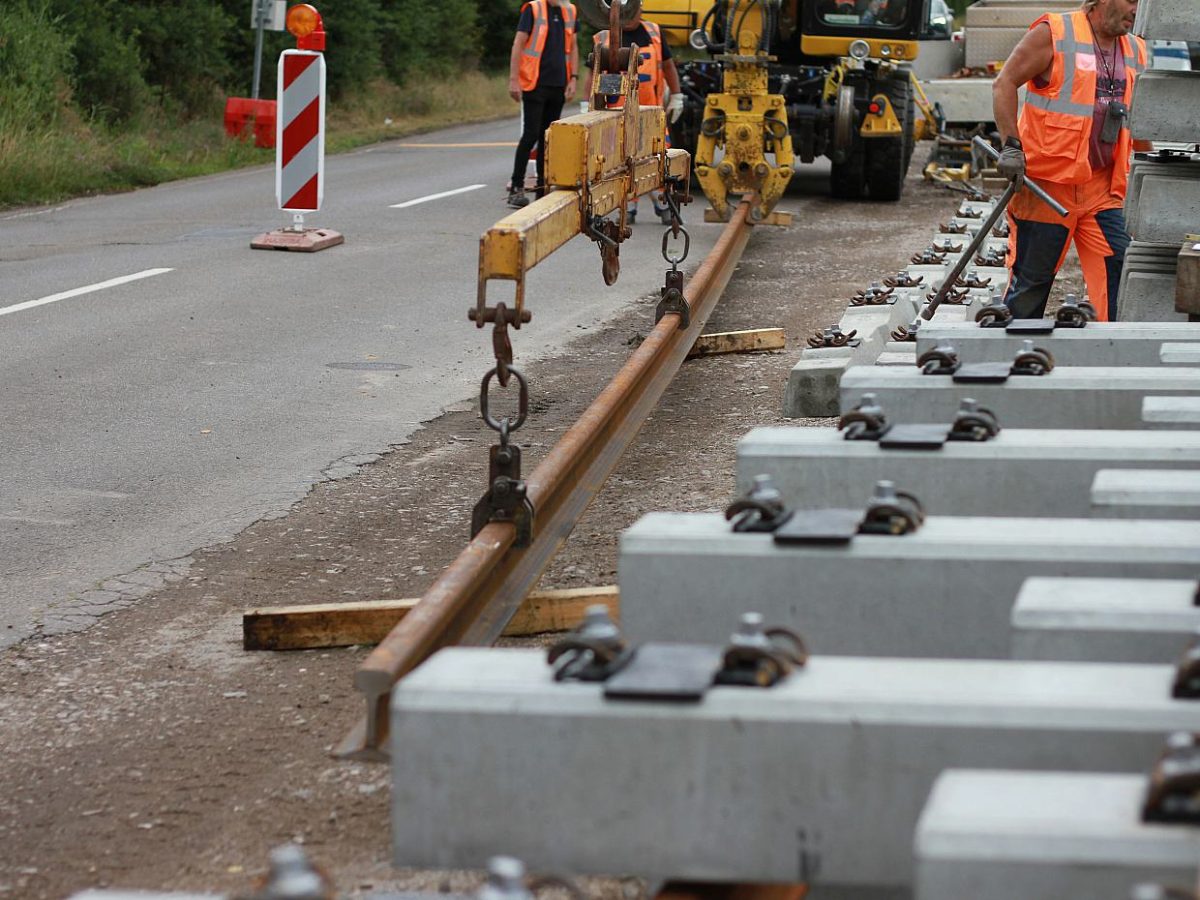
point(986, 229)
point(476, 596)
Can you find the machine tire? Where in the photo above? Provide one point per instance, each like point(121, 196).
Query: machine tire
point(888, 158)
point(847, 180)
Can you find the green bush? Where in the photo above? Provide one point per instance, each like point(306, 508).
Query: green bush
point(438, 37)
point(181, 46)
point(35, 65)
point(353, 54)
point(497, 26)
point(106, 68)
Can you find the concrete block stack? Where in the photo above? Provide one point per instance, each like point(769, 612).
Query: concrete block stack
point(1163, 202)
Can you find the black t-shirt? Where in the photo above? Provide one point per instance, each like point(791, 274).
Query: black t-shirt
point(552, 70)
point(641, 37)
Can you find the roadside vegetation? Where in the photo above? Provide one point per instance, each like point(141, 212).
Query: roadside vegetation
point(109, 95)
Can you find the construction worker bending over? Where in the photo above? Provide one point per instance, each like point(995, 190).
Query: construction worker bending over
point(542, 72)
point(656, 73)
point(1073, 139)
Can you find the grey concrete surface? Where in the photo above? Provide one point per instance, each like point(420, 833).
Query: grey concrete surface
point(1180, 354)
point(1137, 494)
point(1119, 620)
point(1147, 296)
point(1171, 412)
point(1167, 207)
point(1068, 397)
point(820, 779)
point(1168, 20)
point(147, 420)
point(812, 388)
point(1164, 106)
point(1099, 344)
point(1000, 835)
point(1020, 472)
point(946, 590)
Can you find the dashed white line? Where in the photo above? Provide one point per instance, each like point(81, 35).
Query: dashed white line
point(86, 289)
point(461, 190)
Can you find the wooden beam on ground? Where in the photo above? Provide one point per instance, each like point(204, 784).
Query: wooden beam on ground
point(704, 890)
point(738, 342)
point(323, 625)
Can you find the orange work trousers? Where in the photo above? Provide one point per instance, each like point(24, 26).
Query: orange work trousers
point(1038, 241)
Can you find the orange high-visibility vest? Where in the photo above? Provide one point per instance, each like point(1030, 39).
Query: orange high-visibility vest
point(651, 85)
point(1056, 121)
point(531, 56)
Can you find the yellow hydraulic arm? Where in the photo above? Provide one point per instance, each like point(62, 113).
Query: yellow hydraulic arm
point(747, 123)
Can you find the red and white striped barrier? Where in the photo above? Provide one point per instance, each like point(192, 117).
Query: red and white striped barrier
point(300, 132)
point(300, 136)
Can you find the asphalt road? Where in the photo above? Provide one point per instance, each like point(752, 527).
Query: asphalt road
point(166, 412)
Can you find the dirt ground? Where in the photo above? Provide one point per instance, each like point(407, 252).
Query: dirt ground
point(150, 751)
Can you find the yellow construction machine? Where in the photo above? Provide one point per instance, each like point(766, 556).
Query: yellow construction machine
point(780, 80)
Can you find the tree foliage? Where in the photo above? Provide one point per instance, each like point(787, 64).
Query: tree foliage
point(114, 59)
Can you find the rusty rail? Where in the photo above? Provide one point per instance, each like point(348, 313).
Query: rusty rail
point(474, 598)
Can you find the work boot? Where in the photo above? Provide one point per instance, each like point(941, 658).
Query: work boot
point(517, 199)
point(631, 214)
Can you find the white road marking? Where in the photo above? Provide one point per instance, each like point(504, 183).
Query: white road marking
point(461, 190)
point(87, 289)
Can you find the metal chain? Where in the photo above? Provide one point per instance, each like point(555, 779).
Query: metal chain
point(507, 425)
point(675, 229)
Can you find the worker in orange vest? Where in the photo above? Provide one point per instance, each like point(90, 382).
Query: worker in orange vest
point(542, 76)
point(656, 73)
point(1073, 139)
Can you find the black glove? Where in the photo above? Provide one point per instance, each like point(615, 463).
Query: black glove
point(1011, 164)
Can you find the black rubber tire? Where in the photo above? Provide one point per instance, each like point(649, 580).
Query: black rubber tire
point(847, 180)
point(888, 158)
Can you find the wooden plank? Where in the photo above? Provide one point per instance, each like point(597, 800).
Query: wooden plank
point(706, 890)
point(738, 342)
point(319, 625)
point(1187, 281)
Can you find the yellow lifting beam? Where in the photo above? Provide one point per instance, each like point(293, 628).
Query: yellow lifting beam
point(595, 164)
point(748, 123)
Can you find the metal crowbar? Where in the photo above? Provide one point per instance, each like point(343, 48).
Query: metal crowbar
point(986, 229)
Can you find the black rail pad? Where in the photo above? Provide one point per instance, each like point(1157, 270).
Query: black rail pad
point(1031, 326)
point(820, 526)
point(983, 373)
point(678, 673)
point(915, 437)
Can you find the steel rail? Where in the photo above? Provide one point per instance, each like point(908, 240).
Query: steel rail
point(475, 597)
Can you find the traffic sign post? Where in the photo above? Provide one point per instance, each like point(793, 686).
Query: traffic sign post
point(265, 15)
point(300, 137)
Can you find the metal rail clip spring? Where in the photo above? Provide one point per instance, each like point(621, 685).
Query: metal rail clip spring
point(757, 656)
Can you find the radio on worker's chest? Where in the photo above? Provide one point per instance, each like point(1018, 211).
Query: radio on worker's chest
point(1115, 114)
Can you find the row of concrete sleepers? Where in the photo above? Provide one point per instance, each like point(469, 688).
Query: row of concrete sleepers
point(993, 568)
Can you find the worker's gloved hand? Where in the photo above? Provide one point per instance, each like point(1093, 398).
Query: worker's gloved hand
point(1011, 164)
point(675, 107)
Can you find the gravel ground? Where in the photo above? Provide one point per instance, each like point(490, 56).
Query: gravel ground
point(152, 752)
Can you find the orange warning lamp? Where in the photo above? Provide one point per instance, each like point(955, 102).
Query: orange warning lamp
point(305, 23)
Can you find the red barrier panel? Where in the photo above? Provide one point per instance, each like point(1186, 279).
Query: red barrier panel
point(242, 112)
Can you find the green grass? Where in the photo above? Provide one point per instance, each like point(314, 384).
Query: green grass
point(74, 158)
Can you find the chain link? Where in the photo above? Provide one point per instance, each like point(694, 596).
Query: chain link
point(506, 425)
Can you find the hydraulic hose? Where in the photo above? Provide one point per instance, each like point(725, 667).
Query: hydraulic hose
point(710, 45)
